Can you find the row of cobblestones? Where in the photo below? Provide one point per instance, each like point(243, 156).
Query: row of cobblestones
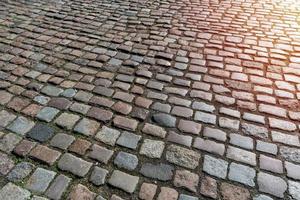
point(150, 99)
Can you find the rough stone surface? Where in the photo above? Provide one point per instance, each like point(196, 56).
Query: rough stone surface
point(271, 184)
point(123, 181)
point(40, 180)
point(73, 164)
point(182, 157)
point(13, 192)
point(161, 172)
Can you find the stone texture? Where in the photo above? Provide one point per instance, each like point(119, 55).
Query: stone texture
point(161, 171)
point(40, 180)
point(182, 156)
point(123, 181)
point(79, 192)
point(13, 192)
point(98, 176)
point(215, 167)
point(271, 184)
point(75, 165)
point(229, 192)
point(58, 187)
point(147, 191)
point(186, 179)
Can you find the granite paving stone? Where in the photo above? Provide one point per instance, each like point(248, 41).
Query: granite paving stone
point(166, 100)
point(40, 180)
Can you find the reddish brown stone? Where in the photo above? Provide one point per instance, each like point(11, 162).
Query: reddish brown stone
point(100, 114)
point(209, 187)
point(125, 123)
point(121, 107)
point(143, 102)
point(32, 110)
point(189, 126)
point(18, 104)
point(230, 192)
point(186, 179)
point(45, 154)
point(147, 191)
point(24, 147)
point(167, 194)
point(80, 192)
point(80, 146)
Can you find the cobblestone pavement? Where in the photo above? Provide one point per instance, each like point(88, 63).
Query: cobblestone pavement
point(149, 99)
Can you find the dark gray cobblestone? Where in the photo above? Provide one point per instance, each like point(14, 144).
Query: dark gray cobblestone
point(149, 99)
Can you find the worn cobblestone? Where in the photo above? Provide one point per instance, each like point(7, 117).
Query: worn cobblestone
point(191, 99)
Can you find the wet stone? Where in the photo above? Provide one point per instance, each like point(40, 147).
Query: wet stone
point(41, 132)
point(161, 172)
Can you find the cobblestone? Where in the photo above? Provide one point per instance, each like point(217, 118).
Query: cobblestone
point(168, 91)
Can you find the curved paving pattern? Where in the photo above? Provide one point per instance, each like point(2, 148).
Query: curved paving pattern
point(150, 99)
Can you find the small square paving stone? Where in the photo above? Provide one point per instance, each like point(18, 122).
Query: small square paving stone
point(9, 141)
point(6, 164)
point(215, 167)
point(271, 184)
point(241, 155)
point(147, 191)
point(125, 123)
point(87, 127)
point(101, 154)
point(6, 118)
point(41, 100)
point(209, 187)
point(167, 193)
point(186, 179)
point(128, 140)
point(98, 176)
point(58, 187)
point(5, 97)
point(108, 135)
point(80, 192)
point(21, 125)
point(230, 192)
point(20, 171)
point(47, 114)
point(40, 180)
point(62, 141)
point(152, 148)
point(154, 130)
point(45, 154)
point(160, 171)
point(24, 147)
point(242, 174)
point(292, 170)
point(41, 132)
point(60, 103)
point(126, 160)
point(80, 146)
point(52, 90)
point(182, 156)
point(66, 120)
point(13, 192)
point(73, 164)
point(189, 126)
point(123, 181)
